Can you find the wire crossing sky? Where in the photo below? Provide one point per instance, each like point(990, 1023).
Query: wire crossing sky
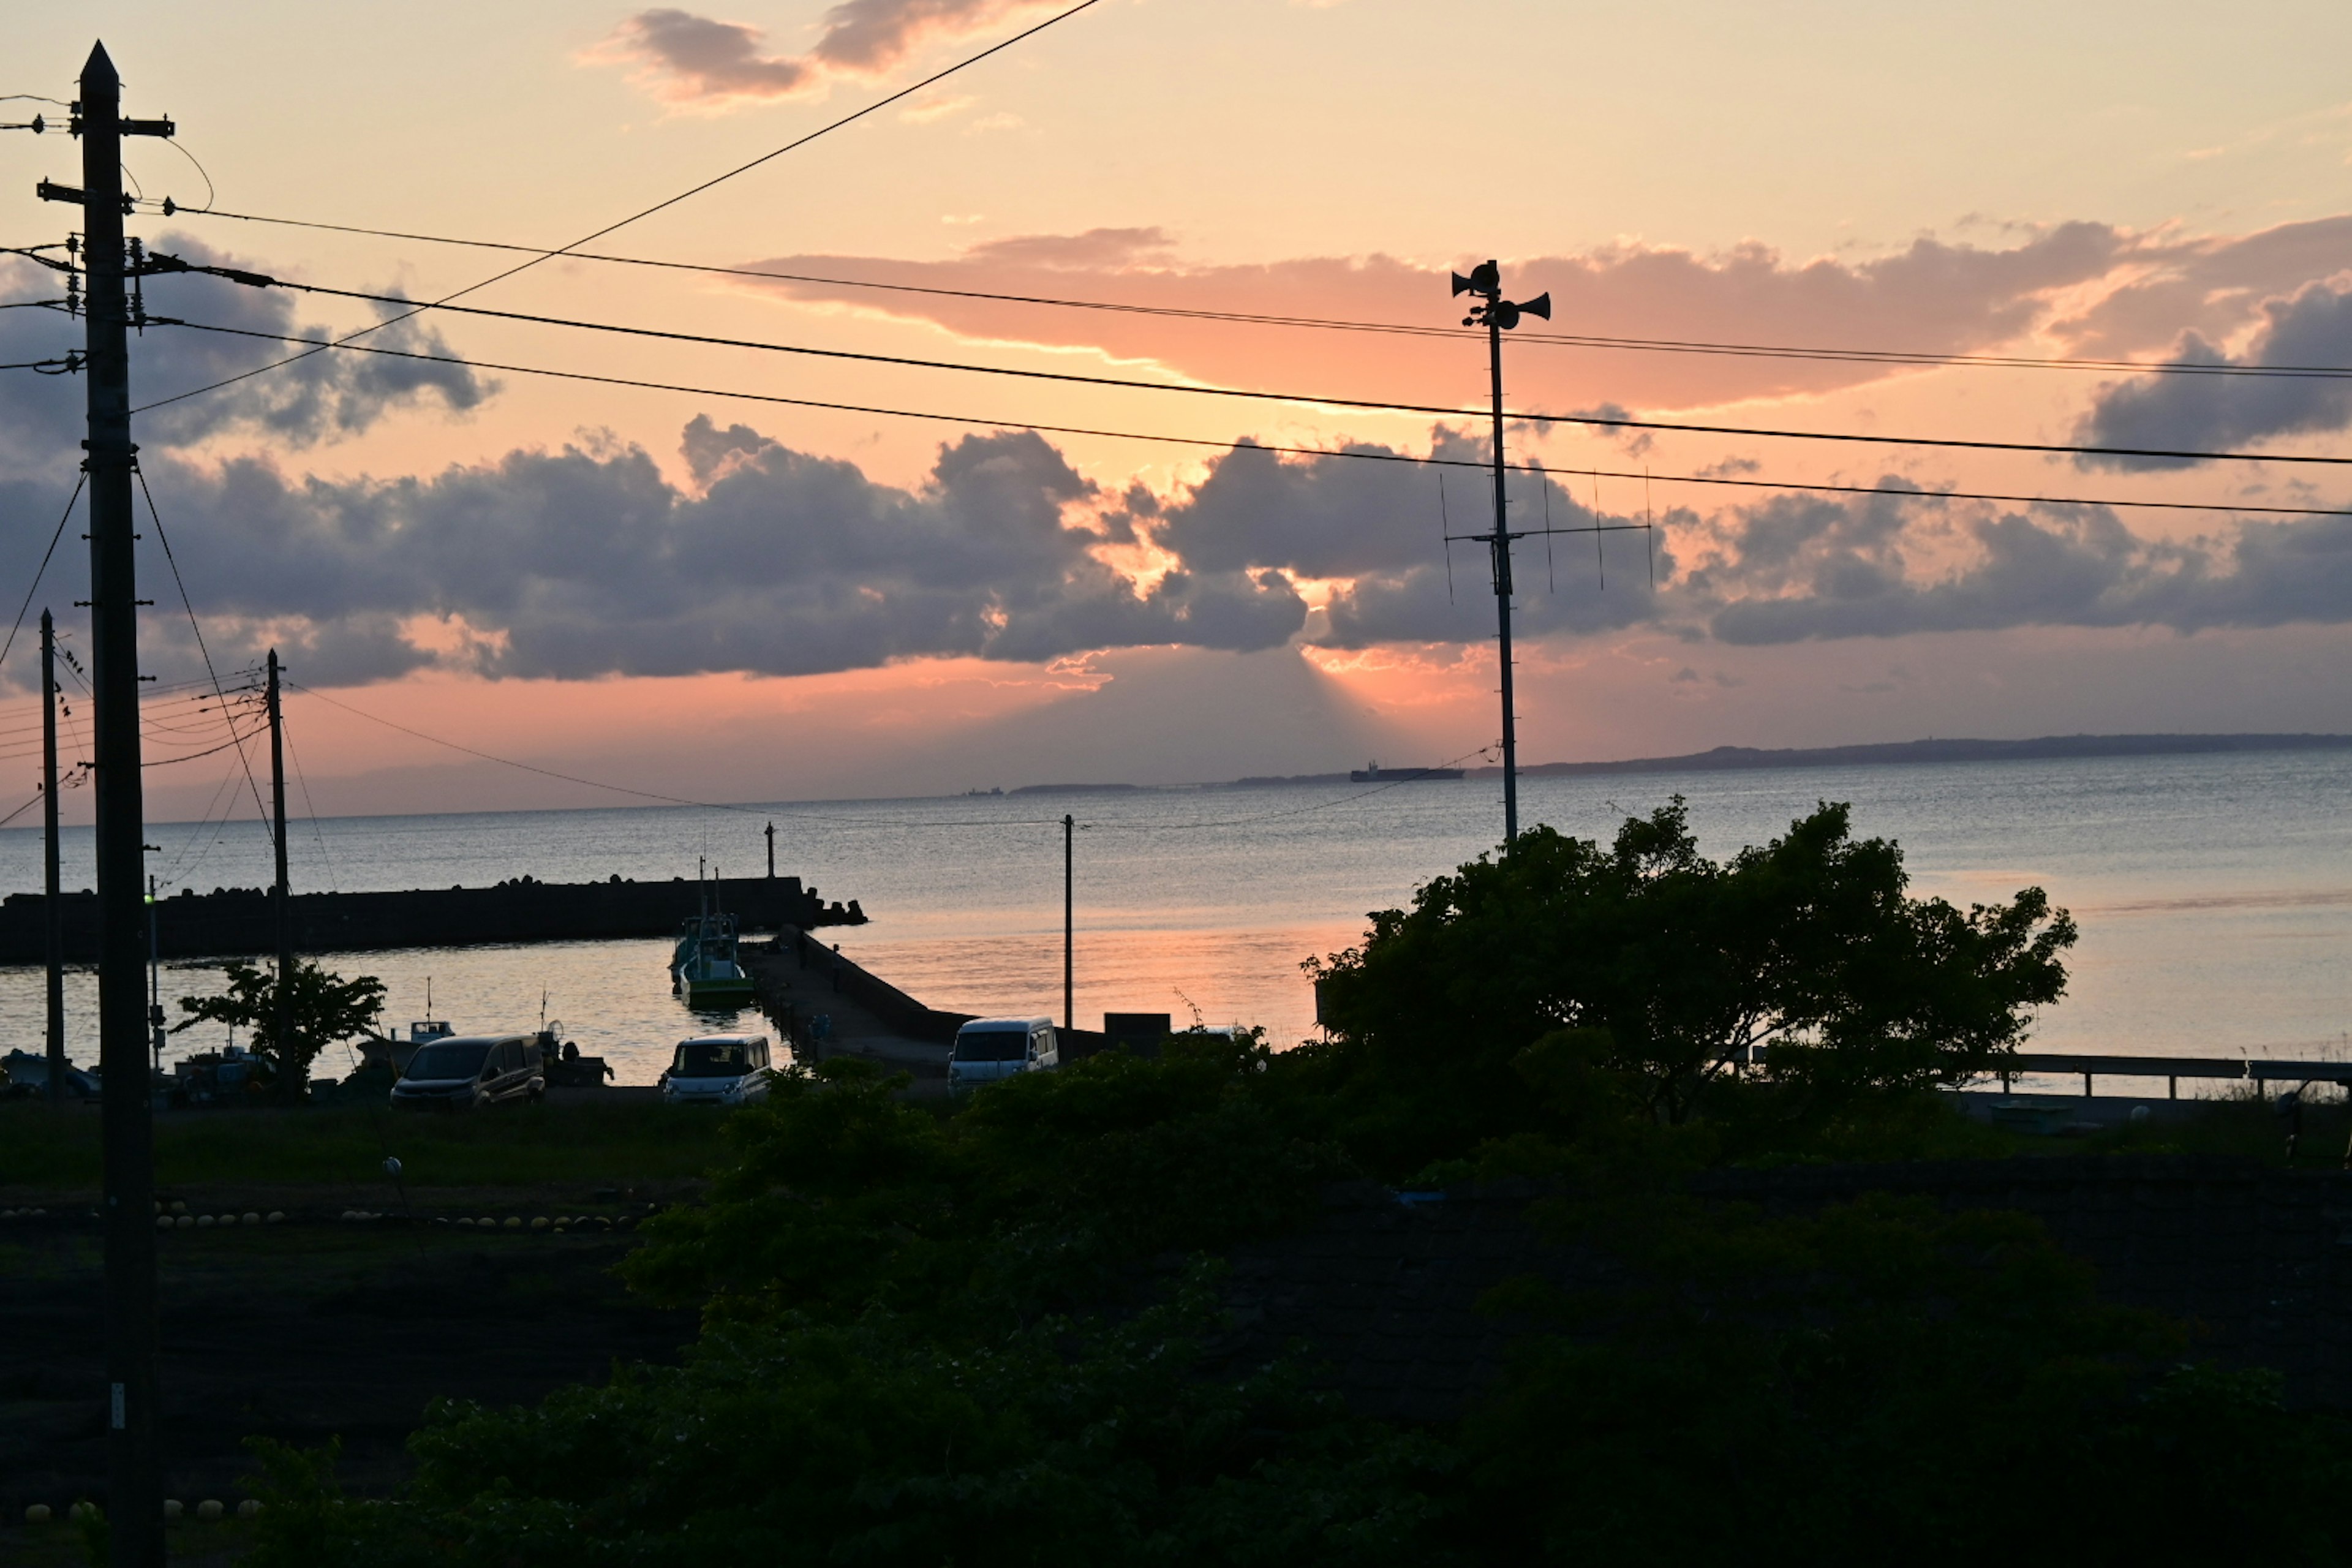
point(1076, 401)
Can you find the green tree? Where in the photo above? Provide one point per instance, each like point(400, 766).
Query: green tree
point(1810, 940)
point(322, 1009)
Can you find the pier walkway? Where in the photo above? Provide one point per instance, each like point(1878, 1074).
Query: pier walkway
point(800, 979)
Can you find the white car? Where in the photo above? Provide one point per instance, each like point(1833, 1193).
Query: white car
point(987, 1049)
point(718, 1070)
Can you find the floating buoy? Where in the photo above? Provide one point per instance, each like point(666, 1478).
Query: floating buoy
point(186, 1222)
point(540, 1224)
point(350, 1214)
point(38, 1514)
point(467, 1223)
point(208, 1510)
point(251, 1218)
point(163, 1221)
point(277, 1216)
point(82, 1511)
point(249, 1508)
point(391, 1167)
point(487, 1223)
point(204, 1222)
point(173, 1508)
point(178, 1207)
point(514, 1222)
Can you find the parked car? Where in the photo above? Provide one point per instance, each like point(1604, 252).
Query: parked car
point(470, 1071)
point(718, 1070)
point(987, 1049)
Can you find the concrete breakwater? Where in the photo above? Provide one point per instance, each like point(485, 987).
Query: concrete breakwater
point(238, 921)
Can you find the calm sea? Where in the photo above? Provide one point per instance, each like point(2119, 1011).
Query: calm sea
point(2214, 892)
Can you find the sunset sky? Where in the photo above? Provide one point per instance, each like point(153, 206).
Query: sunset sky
point(724, 599)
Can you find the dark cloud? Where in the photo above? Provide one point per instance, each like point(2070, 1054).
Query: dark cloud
point(2311, 329)
point(1381, 527)
point(1797, 568)
point(580, 563)
point(690, 58)
point(324, 395)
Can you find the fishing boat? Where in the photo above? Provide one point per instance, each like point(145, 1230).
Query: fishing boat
point(710, 973)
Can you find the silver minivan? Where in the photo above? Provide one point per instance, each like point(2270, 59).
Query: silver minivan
point(991, 1048)
point(718, 1070)
point(464, 1072)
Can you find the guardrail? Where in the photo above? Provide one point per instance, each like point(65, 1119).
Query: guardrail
point(2173, 1069)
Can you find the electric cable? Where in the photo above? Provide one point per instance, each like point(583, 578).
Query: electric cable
point(1898, 357)
point(755, 810)
point(1272, 448)
point(1374, 405)
point(661, 206)
point(308, 805)
point(187, 605)
point(39, 571)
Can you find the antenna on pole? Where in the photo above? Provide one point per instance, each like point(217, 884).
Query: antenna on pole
point(1498, 316)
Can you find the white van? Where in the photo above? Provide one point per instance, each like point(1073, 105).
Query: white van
point(990, 1048)
point(717, 1069)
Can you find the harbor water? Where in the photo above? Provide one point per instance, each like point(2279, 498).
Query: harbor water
point(2214, 892)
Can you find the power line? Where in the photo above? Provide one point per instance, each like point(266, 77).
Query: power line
point(187, 605)
point(1269, 447)
point(35, 586)
point(643, 794)
point(1896, 357)
point(1370, 405)
point(661, 206)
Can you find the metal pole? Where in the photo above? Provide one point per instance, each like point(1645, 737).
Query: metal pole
point(1501, 546)
point(134, 1469)
point(1069, 926)
point(48, 856)
point(772, 851)
point(154, 980)
point(290, 1068)
point(52, 908)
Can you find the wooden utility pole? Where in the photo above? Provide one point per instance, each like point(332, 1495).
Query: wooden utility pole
point(53, 909)
point(290, 1071)
point(134, 1502)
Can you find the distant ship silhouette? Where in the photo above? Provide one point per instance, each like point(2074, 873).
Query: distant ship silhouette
point(1372, 772)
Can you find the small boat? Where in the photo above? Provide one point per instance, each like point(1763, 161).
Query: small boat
point(710, 973)
point(1372, 772)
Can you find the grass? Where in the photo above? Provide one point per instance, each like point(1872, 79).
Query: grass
point(514, 1146)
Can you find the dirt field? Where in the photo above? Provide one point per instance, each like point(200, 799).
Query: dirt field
point(301, 1332)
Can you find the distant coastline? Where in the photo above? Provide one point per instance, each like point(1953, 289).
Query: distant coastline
point(1731, 759)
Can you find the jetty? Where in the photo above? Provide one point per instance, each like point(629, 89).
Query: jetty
point(238, 921)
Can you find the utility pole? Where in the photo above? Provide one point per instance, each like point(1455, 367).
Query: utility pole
point(51, 906)
point(1499, 316)
point(1069, 924)
point(772, 851)
point(289, 1086)
point(134, 1465)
